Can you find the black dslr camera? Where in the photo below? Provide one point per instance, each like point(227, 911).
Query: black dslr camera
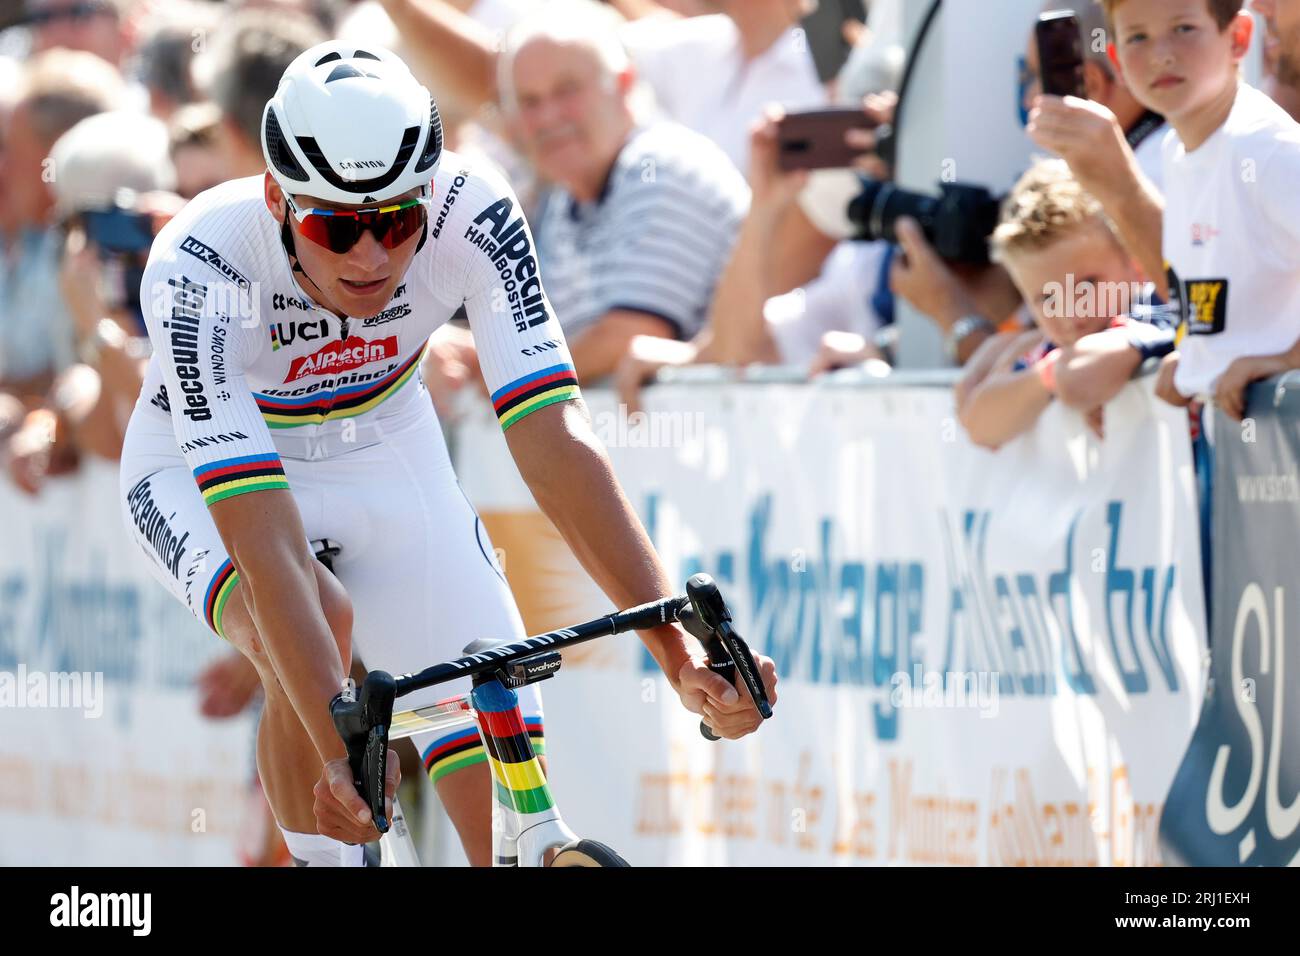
point(957, 223)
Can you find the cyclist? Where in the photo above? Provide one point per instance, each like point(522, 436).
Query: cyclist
point(288, 314)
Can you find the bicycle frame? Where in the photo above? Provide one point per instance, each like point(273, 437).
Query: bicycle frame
point(525, 823)
point(525, 820)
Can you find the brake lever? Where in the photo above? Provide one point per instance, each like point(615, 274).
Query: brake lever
point(363, 724)
point(707, 618)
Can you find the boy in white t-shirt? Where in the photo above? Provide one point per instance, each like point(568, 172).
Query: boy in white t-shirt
point(1231, 228)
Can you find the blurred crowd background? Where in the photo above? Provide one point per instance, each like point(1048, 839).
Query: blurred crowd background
point(643, 137)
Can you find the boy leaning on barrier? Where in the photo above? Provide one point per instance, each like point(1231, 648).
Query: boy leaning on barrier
point(1083, 289)
point(1231, 229)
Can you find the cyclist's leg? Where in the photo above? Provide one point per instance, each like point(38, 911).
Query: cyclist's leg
point(287, 761)
point(424, 583)
point(166, 516)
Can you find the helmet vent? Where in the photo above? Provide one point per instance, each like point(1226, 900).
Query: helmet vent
point(433, 145)
point(364, 55)
point(281, 155)
point(327, 58)
point(345, 71)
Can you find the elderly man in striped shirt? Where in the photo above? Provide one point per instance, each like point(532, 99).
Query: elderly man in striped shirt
point(643, 214)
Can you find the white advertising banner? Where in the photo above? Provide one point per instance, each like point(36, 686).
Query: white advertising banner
point(104, 758)
point(984, 658)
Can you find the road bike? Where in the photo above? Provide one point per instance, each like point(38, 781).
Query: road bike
point(527, 823)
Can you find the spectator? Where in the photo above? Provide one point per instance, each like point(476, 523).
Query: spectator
point(1283, 17)
point(1280, 80)
point(108, 165)
point(827, 324)
point(1072, 128)
point(166, 54)
point(240, 71)
point(637, 231)
point(196, 154)
point(94, 26)
point(751, 56)
point(61, 87)
point(748, 52)
point(115, 163)
point(1078, 281)
point(1231, 229)
point(1113, 145)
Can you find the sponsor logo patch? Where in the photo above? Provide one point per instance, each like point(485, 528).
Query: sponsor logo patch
point(160, 400)
point(206, 253)
point(167, 547)
point(388, 315)
point(352, 352)
point(510, 248)
point(548, 345)
point(280, 302)
point(448, 201)
point(286, 333)
point(182, 344)
point(221, 438)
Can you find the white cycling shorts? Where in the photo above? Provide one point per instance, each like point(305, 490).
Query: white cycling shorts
point(415, 560)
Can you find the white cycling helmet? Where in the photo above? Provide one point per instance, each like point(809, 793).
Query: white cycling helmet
point(350, 124)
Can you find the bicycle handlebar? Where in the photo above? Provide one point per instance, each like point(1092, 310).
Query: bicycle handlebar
point(363, 719)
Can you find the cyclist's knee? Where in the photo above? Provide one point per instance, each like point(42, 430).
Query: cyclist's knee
point(240, 629)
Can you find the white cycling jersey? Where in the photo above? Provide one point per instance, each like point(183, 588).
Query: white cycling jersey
point(253, 386)
point(242, 353)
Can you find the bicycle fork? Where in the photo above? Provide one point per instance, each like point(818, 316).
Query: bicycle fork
point(525, 820)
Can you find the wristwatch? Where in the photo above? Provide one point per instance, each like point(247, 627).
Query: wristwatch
point(963, 329)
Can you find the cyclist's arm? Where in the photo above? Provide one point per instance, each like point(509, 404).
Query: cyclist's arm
point(265, 538)
point(530, 376)
point(202, 350)
point(570, 475)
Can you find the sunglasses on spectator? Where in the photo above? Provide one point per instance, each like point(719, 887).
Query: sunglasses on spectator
point(338, 230)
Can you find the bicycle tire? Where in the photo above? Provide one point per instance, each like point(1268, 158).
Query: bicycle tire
point(588, 853)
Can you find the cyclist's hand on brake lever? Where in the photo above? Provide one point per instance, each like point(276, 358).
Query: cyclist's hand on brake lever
point(341, 813)
point(728, 710)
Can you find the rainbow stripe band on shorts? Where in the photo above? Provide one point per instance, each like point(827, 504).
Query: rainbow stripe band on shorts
point(238, 476)
point(464, 749)
point(526, 395)
point(219, 590)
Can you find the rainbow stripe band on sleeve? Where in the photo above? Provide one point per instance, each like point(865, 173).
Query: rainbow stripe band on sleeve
point(238, 476)
point(219, 590)
point(526, 395)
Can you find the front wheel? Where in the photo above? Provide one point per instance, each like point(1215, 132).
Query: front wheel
point(587, 853)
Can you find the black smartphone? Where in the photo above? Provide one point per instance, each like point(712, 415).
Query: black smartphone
point(814, 139)
point(1060, 53)
point(824, 33)
point(118, 230)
